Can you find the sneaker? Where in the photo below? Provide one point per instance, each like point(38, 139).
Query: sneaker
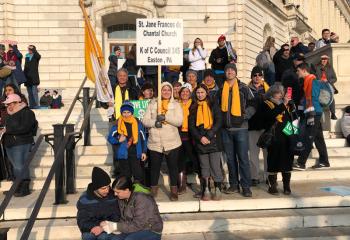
point(321, 165)
point(246, 192)
point(299, 167)
point(255, 182)
point(232, 189)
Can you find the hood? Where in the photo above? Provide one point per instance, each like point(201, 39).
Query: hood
point(171, 87)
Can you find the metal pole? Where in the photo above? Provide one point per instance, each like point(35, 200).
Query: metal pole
point(70, 161)
point(86, 101)
point(60, 190)
point(3, 233)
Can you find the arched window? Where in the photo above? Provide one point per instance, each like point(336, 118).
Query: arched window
point(122, 31)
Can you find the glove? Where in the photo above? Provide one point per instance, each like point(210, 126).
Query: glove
point(161, 118)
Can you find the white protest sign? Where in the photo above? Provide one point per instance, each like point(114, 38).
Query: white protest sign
point(159, 41)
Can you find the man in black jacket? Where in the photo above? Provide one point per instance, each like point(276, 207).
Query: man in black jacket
point(113, 66)
point(96, 205)
point(218, 60)
point(297, 46)
point(31, 71)
point(282, 61)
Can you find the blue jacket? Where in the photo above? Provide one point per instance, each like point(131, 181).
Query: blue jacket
point(122, 147)
point(316, 88)
point(92, 210)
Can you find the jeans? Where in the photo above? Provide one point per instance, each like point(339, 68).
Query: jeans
point(17, 156)
point(102, 236)
point(33, 96)
point(254, 151)
point(140, 235)
point(313, 134)
point(236, 148)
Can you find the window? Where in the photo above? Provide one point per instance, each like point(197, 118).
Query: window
point(124, 31)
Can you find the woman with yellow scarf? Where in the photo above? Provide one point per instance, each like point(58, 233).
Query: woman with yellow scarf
point(205, 121)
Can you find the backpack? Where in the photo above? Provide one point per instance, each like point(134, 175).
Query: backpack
point(326, 96)
point(263, 60)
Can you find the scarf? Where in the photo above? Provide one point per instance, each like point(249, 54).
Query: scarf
point(165, 105)
point(134, 126)
point(266, 86)
point(29, 56)
point(211, 86)
point(118, 100)
point(236, 100)
point(186, 112)
point(308, 89)
point(204, 115)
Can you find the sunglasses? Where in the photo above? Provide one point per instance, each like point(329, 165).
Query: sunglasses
point(258, 74)
point(324, 58)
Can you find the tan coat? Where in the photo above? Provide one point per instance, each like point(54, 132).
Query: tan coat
point(167, 137)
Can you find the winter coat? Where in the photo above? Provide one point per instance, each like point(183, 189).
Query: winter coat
point(46, 101)
point(113, 65)
point(130, 65)
point(281, 65)
point(122, 147)
point(31, 69)
point(92, 210)
point(139, 213)
point(321, 43)
point(197, 59)
point(218, 53)
point(20, 127)
point(291, 79)
point(345, 124)
point(56, 102)
point(330, 73)
point(213, 134)
point(167, 137)
point(279, 156)
point(18, 73)
point(255, 123)
point(247, 108)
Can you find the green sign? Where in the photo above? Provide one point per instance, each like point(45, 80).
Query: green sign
point(140, 107)
point(290, 129)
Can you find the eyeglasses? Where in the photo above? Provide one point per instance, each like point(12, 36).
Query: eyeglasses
point(258, 74)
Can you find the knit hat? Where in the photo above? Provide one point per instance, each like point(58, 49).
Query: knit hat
point(127, 106)
point(208, 72)
point(256, 70)
point(222, 37)
point(231, 65)
point(116, 48)
point(324, 56)
point(189, 71)
point(146, 85)
point(186, 85)
point(99, 178)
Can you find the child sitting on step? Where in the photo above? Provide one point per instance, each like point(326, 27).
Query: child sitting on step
point(129, 141)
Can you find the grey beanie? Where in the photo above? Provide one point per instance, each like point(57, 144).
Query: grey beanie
point(191, 71)
point(231, 65)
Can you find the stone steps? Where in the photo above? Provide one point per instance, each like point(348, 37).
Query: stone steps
point(224, 222)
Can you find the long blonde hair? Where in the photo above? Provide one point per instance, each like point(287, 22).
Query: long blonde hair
point(270, 42)
point(194, 44)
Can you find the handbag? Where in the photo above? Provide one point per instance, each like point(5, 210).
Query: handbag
point(5, 72)
point(266, 138)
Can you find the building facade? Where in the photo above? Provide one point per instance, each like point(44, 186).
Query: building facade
point(57, 27)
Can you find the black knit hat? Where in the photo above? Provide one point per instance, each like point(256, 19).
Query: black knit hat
point(99, 178)
point(256, 70)
point(231, 65)
point(208, 72)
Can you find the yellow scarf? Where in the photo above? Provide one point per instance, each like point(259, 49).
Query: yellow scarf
point(186, 111)
point(118, 100)
point(165, 105)
point(210, 87)
point(266, 86)
point(204, 115)
point(134, 126)
point(236, 100)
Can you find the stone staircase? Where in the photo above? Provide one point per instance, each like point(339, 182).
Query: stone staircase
point(263, 216)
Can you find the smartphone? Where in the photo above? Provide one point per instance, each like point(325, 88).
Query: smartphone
point(289, 92)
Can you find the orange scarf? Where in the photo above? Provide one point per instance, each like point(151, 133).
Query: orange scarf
point(236, 100)
point(134, 126)
point(308, 89)
point(210, 87)
point(204, 115)
point(165, 105)
point(186, 112)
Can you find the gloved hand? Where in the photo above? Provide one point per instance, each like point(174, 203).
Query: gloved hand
point(160, 118)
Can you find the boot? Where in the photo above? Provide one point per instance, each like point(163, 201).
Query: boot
point(273, 184)
point(217, 191)
point(286, 183)
point(24, 189)
point(154, 191)
point(200, 192)
point(173, 193)
point(182, 181)
point(206, 191)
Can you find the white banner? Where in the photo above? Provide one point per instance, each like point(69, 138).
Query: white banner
point(159, 41)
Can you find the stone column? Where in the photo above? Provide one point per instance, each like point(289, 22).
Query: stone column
point(337, 21)
point(331, 7)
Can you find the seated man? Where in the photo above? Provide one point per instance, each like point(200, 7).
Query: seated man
point(96, 205)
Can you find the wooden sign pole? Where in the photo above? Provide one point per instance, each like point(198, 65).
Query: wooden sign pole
point(159, 89)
